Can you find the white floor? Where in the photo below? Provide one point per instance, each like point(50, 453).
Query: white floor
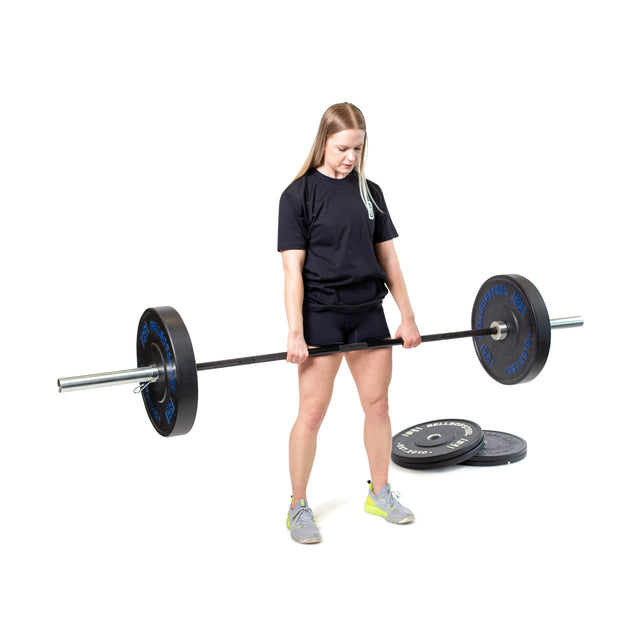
point(144, 147)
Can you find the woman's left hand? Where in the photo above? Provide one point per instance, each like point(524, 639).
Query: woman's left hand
point(408, 331)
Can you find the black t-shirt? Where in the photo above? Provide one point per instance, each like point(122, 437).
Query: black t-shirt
point(327, 218)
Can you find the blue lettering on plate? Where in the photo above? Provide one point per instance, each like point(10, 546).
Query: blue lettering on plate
point(518, 302)
point(486, 355)
point(144, 334)
point(526, 349)
point(170, 411)
point(499, 290)
point(151, 406)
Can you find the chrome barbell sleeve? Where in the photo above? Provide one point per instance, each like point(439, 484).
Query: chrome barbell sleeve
point(110, 379)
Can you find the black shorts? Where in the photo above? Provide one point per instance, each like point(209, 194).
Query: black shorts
point(332, 327)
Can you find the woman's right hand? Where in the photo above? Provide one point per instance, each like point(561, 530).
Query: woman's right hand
point(297, 350)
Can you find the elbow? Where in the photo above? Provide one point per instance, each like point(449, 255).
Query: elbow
point(291, 270)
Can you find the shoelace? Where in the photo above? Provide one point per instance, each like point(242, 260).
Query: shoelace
point(302, 517)
point(393, 499)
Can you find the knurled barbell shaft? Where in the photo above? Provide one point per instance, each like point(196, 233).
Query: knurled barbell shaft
point(340, 348)
point(150, 374)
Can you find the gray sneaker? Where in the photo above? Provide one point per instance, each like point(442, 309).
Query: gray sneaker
point(386, 504)
point(302, 524)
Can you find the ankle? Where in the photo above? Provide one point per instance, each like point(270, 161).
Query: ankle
point(376, 487)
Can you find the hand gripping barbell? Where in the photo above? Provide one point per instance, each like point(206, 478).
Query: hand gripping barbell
point(511, 334)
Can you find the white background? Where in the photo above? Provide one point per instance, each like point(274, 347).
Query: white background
point(143, 149)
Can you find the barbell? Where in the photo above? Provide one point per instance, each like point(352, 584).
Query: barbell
point(510, 327)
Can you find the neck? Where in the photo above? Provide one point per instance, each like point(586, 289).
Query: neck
point(331, 173)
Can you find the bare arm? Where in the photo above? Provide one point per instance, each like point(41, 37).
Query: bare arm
point(388, 259)
point(292, 262)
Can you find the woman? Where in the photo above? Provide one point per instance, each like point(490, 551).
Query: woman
point(335, 236)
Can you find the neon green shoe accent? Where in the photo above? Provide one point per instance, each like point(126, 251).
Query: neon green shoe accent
point(397, 514)
point(370, 507)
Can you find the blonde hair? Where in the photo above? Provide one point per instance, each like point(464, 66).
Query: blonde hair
point(336, 118)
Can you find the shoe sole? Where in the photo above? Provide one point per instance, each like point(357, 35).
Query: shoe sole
point(376, 511)
point(405, 521)
point(307, 540)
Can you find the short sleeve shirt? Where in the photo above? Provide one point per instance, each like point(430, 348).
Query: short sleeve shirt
point(327, 218)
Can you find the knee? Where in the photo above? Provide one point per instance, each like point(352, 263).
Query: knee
point(377, 409)
point(311, 418)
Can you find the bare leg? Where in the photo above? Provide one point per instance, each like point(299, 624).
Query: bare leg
point(371, 371)
point(315, 380)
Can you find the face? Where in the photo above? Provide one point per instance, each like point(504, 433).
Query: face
point(342, 153)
